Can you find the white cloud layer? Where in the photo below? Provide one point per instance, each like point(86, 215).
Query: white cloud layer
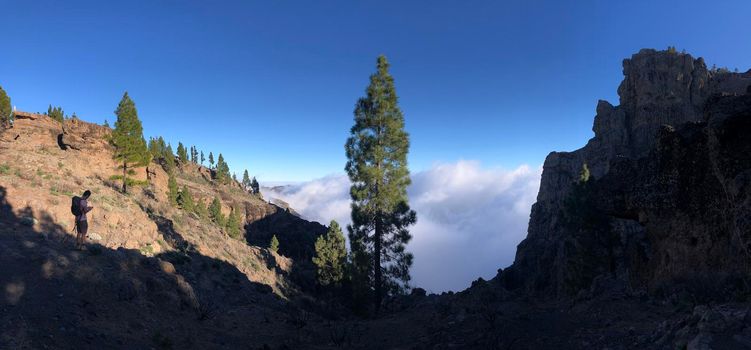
point(469, 218)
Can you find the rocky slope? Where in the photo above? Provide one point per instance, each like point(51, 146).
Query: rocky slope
point(153, 273)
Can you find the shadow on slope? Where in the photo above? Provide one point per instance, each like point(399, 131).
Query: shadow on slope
point(297, 239)
point(296, 236)
point(57, 297)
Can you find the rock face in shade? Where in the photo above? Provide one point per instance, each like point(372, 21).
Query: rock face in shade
point(668, 194)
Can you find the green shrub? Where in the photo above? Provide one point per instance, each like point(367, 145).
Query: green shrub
point(274, 244)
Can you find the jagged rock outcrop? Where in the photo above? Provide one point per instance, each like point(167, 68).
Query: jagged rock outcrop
point(668, 189)
point(84, 136)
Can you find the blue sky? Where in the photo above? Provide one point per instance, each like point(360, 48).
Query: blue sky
point(272, 84)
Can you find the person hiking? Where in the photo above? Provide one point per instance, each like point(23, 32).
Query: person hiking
point(80, 207)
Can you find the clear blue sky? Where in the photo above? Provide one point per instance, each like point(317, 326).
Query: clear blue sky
point(272, 84)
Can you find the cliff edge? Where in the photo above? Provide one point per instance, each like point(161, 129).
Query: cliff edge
point(659, 194)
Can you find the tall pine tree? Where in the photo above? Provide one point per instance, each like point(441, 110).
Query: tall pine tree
point(377, 167)
point(127, 138)
point(211, 160)
point(202, 158)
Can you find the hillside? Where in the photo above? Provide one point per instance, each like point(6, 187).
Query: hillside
point(41, 174)
point(141, 246)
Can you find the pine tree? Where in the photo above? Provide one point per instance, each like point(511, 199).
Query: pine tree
point(172, 192)
point(185, 200)
point(127, 138)
point(331, 256)
point(106, 123)
point(6, 110)
point(222, 170)
point(255, 186)
point(169, 159)
point(246, 180)
point(215, 211)
point(274, 244)
point(233, 224)
point(377, 167)
point(153, 148)
point(202, 158)
point(162, 147)
point(56, 113)
point(182, 153)
point(211, 160)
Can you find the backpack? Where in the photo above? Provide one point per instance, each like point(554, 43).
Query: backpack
point(75, 206)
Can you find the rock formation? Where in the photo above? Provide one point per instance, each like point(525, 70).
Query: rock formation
point(668, 191)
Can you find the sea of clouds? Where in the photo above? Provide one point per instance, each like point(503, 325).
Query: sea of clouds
point(469, 218)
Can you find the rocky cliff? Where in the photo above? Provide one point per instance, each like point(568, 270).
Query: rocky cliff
point(659, 194)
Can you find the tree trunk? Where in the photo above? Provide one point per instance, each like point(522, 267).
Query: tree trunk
point(125, 177)
point(377, 264)
point(378, 236)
